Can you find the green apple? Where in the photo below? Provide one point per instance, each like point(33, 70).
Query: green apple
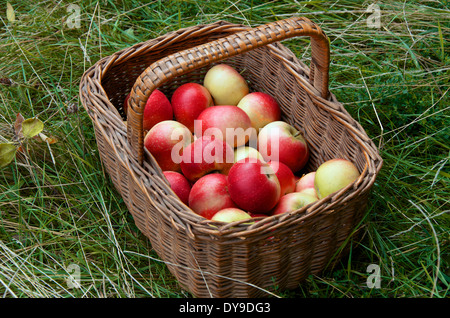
point(333, 175)
point(229, 215)
point(225, 84)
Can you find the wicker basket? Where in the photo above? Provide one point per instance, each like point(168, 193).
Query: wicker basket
point(207, 258)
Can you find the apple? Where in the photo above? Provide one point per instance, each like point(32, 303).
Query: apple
point(285, 176)
point(305, 182)
point(292, 202)
point(210, 194)
point(253, 186)
point(225, 84)
point(258, 216)
point(229, 215)
point(206, 155)
point(246, 152)
point(310, 191)
point(333, 175)
point(261, 108)
point(157, 109)
point(188, 101)
point(279, 141)
point(125, 103)
point(179, 184)
point(166, 141)
point(226, 122)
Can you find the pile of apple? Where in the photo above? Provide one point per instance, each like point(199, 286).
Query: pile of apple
point(217, 172)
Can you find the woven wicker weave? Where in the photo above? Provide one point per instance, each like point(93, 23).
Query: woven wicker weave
point(207, 258)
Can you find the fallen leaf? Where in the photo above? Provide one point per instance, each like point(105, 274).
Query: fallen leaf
point(7, 154)
point(18, 125)
point(31, 127)
point(10, 15)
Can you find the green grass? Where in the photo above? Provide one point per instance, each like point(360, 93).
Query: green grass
point(58, 207)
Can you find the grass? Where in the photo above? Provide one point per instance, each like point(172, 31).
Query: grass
point(59, 211)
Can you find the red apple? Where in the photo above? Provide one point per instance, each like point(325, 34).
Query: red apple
point(305, 182)
point(229, 123)
point(226, 85)
point(166, 141)
point(253, 186)
point(157, 109)
point(179, 184)
point(210, 194)
point(293, 201)
point(333, 175)
point(285, 176)
point(231, 215)
point(188, 101)
point(258, 215)
point(206, 155)
point(125, 103)
point(261, 108)
point(279, 141)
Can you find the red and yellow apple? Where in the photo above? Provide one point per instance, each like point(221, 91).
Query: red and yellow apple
point(229, 215)
point(188, 101)
point(279, 141)
point(253, 186)
point(333, 175)
point(210, 194)
point(261, 108)
point(285, 176)
point(225, 84)
point(247, 152)
point(305, 182)
point(293, 201)
point(226, 122)
point(205, 155)
point(310, 191)
point(166, 141)
point(179, 184)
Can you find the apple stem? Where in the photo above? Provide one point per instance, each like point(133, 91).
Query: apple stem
point(297, 133)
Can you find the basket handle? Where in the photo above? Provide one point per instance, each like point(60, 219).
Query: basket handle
point(185, 61)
